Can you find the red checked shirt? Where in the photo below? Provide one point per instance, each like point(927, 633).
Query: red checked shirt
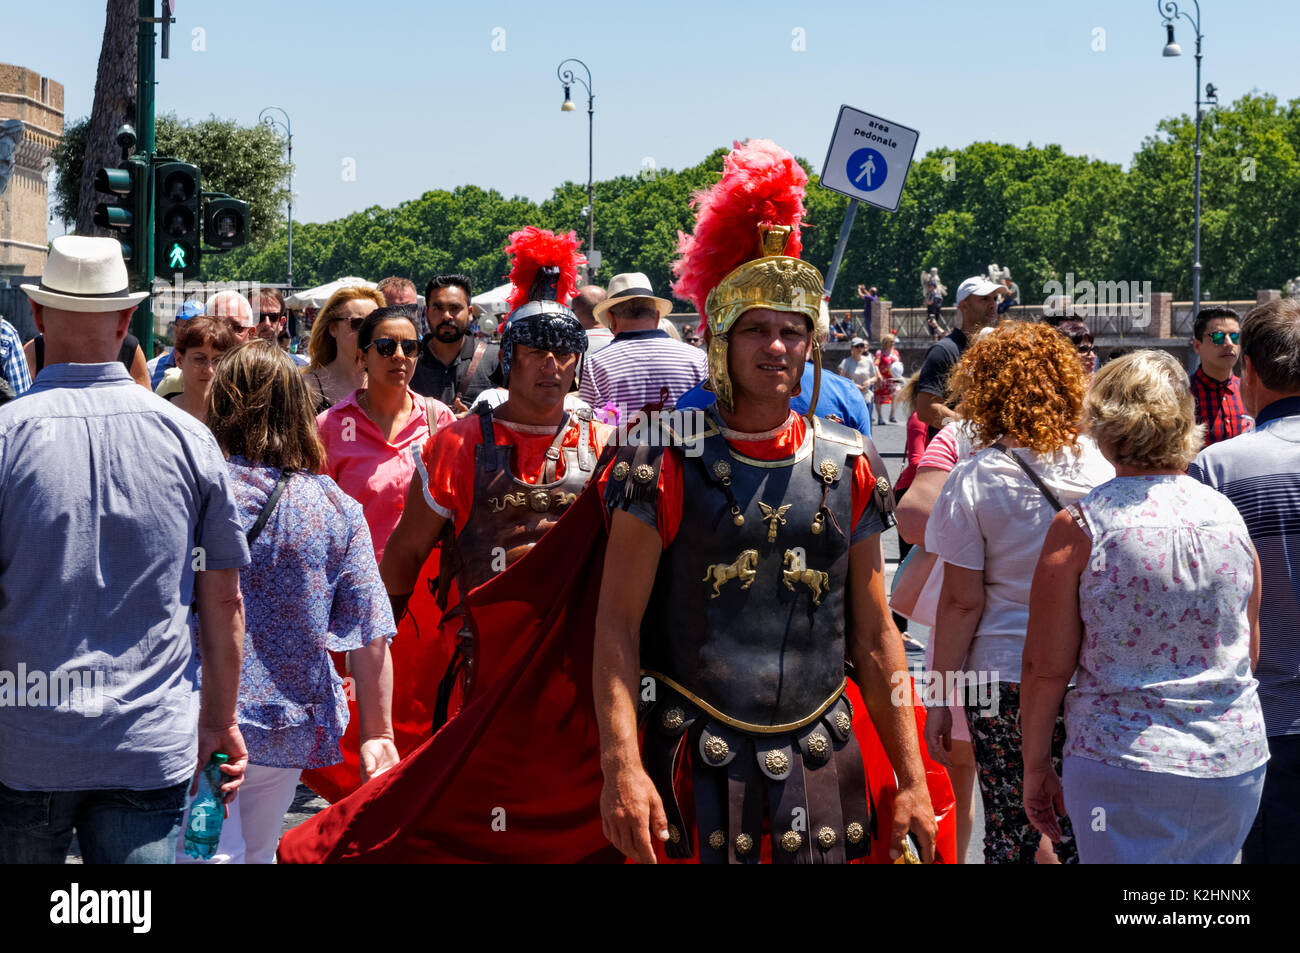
point(1218, 406)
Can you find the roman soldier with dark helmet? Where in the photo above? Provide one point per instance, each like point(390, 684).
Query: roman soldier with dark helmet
point(743, 570)
point(490, 485)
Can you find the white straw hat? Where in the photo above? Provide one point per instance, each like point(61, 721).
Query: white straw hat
point(85, 274)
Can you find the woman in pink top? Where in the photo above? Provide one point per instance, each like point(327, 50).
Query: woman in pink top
point(370, 437)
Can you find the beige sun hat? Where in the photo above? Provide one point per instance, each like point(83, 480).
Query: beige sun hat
point(625, 287)
point(85, 274)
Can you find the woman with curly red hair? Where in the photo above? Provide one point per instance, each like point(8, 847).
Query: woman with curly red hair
point(1022, 389)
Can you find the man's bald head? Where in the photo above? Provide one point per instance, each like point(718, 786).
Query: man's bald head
point(582, 306)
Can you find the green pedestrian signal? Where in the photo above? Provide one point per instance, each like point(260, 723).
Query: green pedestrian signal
point(178, 198)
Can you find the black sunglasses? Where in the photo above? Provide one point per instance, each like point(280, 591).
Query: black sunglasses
point(1218, 336)
point(354, 323)
point(387, 347)
point(271, 315)
point(1084, 348)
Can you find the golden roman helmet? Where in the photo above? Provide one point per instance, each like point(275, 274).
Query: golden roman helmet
point(744, 252)
point(770, 280)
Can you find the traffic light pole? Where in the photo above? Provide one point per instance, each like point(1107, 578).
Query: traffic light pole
point(142, 324)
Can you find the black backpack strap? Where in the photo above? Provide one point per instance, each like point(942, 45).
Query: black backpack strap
point(40, 352)
point(256, 529)
point(1038, 482)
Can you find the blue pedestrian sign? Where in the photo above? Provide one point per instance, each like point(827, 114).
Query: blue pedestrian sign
point(869, 158)
point(868, 169)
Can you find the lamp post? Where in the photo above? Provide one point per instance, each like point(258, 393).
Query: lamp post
point(1170, 12)
point(285, 128)
point(567, 77)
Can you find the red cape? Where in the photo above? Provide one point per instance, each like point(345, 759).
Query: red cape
point(515, 777)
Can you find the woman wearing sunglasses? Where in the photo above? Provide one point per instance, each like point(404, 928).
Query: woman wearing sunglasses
point(369, 435)
point(334, 371)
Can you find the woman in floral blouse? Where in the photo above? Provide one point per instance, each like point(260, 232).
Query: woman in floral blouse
point(1150, 586)
point(311, 587)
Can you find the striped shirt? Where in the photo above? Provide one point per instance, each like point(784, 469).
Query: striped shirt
point(1218, 405)
point(1260, 473)
point(639, 368)
point(12, 359)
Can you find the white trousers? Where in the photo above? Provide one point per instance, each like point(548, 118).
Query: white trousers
point(252, 831)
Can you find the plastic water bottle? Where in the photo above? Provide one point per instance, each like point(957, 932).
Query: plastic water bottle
point(203, 826)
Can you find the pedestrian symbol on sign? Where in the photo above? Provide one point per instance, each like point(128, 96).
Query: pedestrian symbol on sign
point(867, 169)
point(178, 255)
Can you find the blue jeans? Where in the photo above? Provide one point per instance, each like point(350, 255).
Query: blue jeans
point(113, 826)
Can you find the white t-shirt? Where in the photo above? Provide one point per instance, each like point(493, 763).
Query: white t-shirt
point(990, 516)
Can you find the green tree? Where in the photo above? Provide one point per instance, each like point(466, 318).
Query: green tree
point(242, 161)
point(1250, 201)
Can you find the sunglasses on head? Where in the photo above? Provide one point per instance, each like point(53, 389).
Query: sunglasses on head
point(387, 347)
point(1218, 336)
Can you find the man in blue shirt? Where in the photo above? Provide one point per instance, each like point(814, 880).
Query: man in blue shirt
point(13, 363)
point(1259, 472)
point(115, 515)
point(839, 400)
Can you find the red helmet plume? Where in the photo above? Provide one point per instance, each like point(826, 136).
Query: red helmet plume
point(536, 248)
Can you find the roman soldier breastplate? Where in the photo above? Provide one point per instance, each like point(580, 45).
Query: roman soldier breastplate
point(508, 515)
point(747, 614)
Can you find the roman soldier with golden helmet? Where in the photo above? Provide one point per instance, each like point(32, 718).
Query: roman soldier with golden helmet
point(743, 569)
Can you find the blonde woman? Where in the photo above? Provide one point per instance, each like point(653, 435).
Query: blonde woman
point(335, 372)
point(1148, 586)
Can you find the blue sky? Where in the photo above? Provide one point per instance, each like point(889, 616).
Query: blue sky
point(434, 95)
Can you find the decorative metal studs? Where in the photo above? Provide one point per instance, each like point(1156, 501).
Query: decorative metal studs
point(673, 718)
point(819, 746)
point(854, 832)
point(722, 470)
point(621, 470)
point(643, 473)
point(829, 470)
point(718, 840)
point(539, 501)
point(777, 762)
point(826, 837)
point(715, 749)
point(791, 841)
point(842, 721)
point(737, 517)
point(674, 834)
point(819, 521)
point(744, 843)
point(882, 485)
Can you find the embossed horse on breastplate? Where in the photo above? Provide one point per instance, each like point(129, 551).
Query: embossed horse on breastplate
point(742, 569)
point(795, 571)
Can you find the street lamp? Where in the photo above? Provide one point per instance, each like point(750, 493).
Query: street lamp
point(567, 78)
point(1170, 12)
point(285, 128)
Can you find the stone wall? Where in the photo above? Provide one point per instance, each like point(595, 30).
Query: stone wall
point(24, 205)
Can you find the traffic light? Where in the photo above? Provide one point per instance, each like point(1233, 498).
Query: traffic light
point(177, 218)
point(225, 221)
point(129, 216)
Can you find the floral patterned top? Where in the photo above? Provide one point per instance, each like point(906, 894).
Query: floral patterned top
point(1164, 681)
point(311, 588)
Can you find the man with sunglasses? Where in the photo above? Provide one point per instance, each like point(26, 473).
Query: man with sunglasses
point(1215, 389)
point(272, 318)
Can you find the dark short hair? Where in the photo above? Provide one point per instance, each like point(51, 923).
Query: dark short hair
point(273, 294)
point(1206, 315)
point(1270, 337)
point(377, 317)
point(438, 282)
point(1076, 331)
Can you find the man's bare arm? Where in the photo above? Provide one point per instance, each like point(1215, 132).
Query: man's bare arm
point(221, 642)
point(630, 808)
point(412, 541)
point(876, 650)
point(932, 411)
